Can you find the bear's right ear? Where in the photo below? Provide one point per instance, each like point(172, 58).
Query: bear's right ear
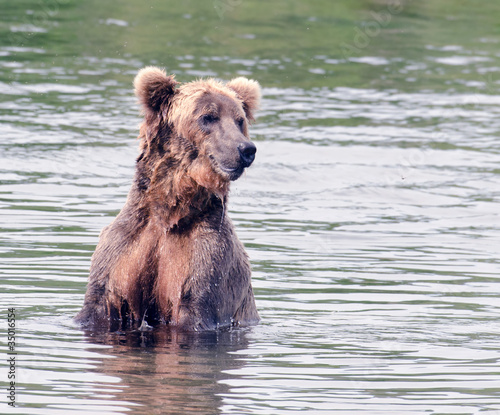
point(154, 89)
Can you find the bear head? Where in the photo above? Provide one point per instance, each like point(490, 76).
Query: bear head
point(203, 124)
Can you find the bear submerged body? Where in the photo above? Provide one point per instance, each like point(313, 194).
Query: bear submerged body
point(171, 256)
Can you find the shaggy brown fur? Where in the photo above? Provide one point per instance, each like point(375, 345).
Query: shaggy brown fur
point(171, 255)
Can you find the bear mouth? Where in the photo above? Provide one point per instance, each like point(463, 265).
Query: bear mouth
point(231, 173)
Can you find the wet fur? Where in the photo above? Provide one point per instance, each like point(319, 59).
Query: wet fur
point(171, 255)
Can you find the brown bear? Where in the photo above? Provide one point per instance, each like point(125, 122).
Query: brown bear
point(172, 255)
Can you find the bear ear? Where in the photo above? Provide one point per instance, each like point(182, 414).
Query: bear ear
point(249, 92)
point(154, 88)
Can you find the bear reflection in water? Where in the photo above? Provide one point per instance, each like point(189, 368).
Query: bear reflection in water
point(172, 256)
point(168, 370)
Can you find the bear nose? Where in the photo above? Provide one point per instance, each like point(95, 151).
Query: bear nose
point(247, 153)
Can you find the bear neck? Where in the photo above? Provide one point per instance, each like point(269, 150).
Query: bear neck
point(171, 196)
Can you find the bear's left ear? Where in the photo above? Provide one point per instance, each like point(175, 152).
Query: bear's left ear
point(154, 89)
point(249, 92)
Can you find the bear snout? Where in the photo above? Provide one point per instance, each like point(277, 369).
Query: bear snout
point(233, 160)
point(247, 152)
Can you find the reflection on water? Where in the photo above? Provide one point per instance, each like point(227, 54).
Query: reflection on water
point(166, 369)
point(370, 215)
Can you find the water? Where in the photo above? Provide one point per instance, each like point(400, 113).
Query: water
point(370, 215)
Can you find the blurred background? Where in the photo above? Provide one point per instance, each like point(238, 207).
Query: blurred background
point(371, 213)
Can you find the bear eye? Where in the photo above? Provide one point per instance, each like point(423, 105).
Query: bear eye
point(209, 119)
point(240, 122)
